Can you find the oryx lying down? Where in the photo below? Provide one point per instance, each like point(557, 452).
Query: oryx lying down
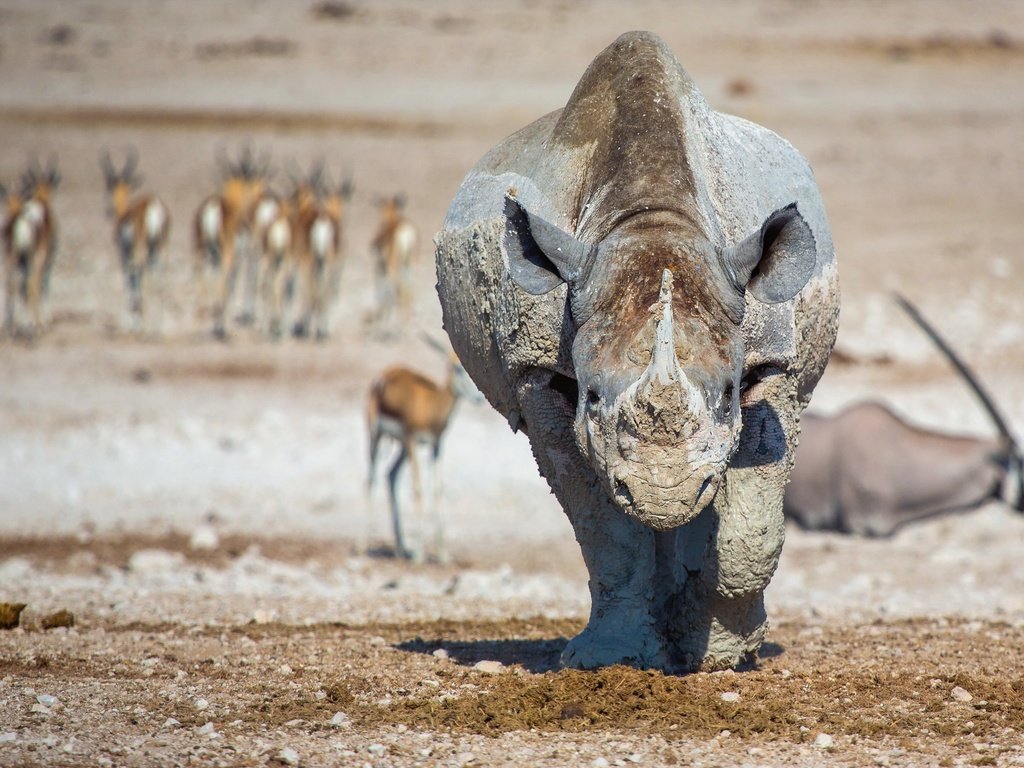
point(648, 289)
point(866, 471)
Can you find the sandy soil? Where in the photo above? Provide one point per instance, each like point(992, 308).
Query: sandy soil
point(195, 504)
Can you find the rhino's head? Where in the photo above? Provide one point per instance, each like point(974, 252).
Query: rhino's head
point(658, 352)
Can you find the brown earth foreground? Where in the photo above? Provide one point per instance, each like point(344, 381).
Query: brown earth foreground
point(164, 691)
point(887, 687)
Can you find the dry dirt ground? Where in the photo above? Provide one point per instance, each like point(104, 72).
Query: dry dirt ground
point(194, 504)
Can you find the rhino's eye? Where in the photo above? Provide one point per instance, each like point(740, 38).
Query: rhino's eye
point(566, 387)
point(725, 405)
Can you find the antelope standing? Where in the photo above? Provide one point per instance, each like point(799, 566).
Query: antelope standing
point(30, 243)
point(393, 247)
point(322, 261)
point(285, 243)
point(142, 224)
point(304, 211)
point(262, 208)
point(221, 228)
point(413, 410)
point(275, 264)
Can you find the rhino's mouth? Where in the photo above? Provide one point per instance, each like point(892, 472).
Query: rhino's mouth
point(663, 507)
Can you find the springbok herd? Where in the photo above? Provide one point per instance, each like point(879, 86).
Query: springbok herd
point(284, 248)
point(285, 251)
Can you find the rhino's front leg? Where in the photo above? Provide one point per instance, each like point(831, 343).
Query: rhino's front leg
point(733, 548)
point(620, 557)
point(619, 552)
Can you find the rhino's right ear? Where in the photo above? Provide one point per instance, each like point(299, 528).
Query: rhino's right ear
point(774, 263)
point(541, 256)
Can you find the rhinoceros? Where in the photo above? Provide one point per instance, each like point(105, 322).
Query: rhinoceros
point(647, 288)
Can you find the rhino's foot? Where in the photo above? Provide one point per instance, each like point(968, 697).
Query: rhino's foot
point(609, 644)
point(722, 645)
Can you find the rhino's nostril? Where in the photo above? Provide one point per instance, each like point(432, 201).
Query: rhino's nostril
point(622, 493)
point(704, 486)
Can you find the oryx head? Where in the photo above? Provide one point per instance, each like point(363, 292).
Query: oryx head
point(658, 351)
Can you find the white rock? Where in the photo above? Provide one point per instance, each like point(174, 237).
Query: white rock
point(263, 616)
point(208, 731)
point(8, 736)
point(286, 669)
point(600, 762)
point(340, 720)
point(40, 709)
point(202, 704)
point(155, 561)
point(440, 653)
point(171, 722)
point(47, 700)
point(824, 741)
point(377, 750)
point(488, 667)
point(730, 696)
point(961, 694)
point(204, 538)
point(288, 756)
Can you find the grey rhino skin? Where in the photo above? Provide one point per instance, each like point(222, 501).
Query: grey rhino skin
point(648, 289)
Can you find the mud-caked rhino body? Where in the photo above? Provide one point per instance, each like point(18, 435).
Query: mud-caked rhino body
point(647, 288)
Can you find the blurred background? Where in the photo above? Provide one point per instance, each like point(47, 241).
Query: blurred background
point(910, 113)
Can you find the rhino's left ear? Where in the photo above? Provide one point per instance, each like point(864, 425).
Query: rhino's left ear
point(775, 262)
point(541, 255)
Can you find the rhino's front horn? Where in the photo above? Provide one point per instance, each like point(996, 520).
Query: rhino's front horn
point(664, 363)
point(663, 384)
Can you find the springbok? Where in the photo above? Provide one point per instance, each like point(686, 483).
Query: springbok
point(322, 260)
point(221, 228)
point(305, 209)
point(866, 471)
point(393, 248)
point(286, 246)
point(276, 242)
point(12, 209)
point(413, 410)
point(263, 205)
point(30, 242)
point(142, 225)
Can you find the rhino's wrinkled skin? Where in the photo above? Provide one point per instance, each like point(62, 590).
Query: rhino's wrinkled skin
point(647, 288)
